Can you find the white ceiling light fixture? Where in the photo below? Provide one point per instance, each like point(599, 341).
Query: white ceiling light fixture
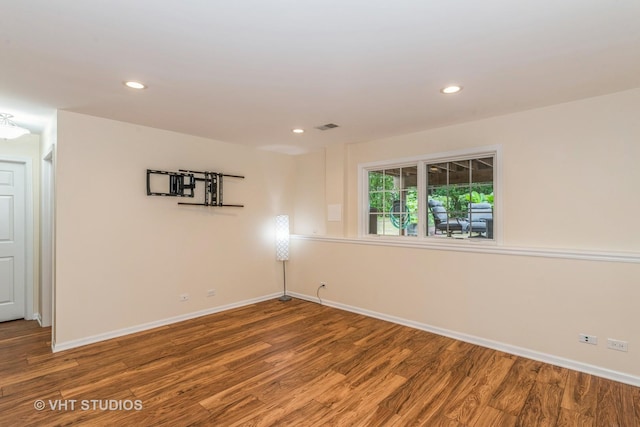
point(135, 85)
point(10, 130)
point(298, 130)
point(451, 89)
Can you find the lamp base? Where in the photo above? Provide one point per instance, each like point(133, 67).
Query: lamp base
point(285, 298)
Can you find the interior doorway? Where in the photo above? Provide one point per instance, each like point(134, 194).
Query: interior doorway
point(16, 238)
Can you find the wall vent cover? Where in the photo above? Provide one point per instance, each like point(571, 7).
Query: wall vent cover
point(327, 126)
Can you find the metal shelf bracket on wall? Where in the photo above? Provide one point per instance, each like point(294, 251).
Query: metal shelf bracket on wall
point(183, 184)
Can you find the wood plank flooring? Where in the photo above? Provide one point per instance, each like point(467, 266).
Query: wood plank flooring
point(294, 364)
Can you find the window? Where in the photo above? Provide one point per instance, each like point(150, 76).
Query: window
point(450, 196)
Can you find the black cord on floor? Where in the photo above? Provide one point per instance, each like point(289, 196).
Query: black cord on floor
point(318, 293)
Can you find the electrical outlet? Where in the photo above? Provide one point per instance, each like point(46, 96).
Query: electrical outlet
point(588, 339)
point(617, 345)
point(211, 293)
point(183, 297)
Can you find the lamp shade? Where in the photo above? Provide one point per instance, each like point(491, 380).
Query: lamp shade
point(282, 237)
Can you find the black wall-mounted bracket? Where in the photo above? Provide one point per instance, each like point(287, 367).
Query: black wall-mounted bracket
point(183, 184)
point(178, 184)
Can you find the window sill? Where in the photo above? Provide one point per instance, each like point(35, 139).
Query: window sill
point(433, 241)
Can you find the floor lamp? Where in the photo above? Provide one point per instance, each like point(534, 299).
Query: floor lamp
point(282, 249)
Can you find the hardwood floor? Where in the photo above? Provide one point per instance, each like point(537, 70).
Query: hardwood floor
point(295, 363)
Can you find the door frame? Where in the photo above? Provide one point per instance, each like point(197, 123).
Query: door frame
point(29, 284)
point(47, 238)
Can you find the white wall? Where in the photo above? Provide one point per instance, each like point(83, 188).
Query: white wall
point(570, 180)
point(310, 207)
point(123, 258)
point(570, 170)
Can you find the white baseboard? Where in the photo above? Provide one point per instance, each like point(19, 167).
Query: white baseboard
point(36, 316)
point(507, 348)
point(57, 347)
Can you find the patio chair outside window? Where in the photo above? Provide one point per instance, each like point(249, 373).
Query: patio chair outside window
point(443, 222)
point(481, 218)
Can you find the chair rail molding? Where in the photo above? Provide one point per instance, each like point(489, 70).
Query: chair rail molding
point(484, 248)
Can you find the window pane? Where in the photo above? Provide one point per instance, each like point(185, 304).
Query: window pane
point(376, 180)
point(392, 179)
point(460, 198)
point(480, 207)
point(409, 178)
point(409, 197)
point(373, 223)
point(399, 214)
point(437, 174)
point(388, 229)
point(458, 172)
point(437, 198)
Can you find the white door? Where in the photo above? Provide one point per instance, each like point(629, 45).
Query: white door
point(12, 240)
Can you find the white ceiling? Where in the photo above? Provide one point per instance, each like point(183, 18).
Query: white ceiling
point(249, 71)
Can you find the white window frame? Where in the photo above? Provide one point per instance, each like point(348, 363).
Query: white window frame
point(494, 151)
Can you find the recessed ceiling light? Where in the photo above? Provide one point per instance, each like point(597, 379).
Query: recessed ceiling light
point(135, 85)
point(451, 89)
point(298, 131)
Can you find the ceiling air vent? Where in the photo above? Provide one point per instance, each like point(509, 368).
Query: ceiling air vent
point(327, 126)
